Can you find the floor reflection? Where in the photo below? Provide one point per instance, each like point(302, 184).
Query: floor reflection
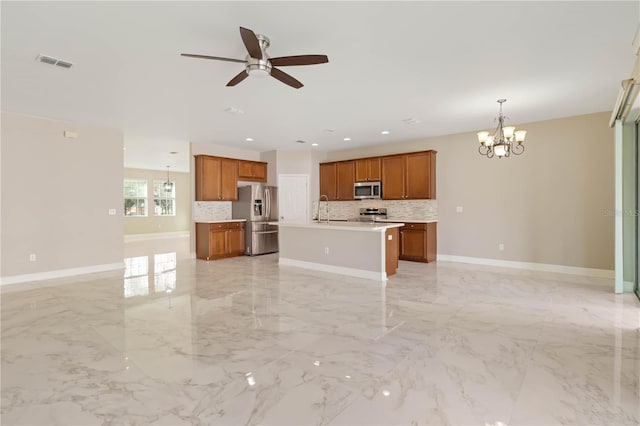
point(138, 271)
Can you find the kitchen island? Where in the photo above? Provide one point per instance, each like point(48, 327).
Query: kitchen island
point(365, 250)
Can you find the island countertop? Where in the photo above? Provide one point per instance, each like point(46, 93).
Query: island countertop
point(398, 220)
point(377, 226)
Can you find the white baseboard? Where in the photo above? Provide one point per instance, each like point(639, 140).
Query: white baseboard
point(155, 236)
point(590, 272)
point(60, 273)
point(359, 273)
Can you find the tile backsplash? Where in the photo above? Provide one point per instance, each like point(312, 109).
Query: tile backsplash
point(211, 210)
point(396, 209)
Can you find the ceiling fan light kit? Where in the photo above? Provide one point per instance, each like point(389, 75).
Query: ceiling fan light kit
point(259, 64)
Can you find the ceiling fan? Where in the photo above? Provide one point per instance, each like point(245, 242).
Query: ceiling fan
point(258, 62)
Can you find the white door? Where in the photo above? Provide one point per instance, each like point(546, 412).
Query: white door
point(293, 198)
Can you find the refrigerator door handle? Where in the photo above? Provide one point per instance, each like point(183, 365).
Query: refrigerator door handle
point(267, 197)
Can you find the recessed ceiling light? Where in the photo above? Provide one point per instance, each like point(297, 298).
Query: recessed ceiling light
point(346, 139)
point(314, 144)
point(385, 132)
point(249, 139)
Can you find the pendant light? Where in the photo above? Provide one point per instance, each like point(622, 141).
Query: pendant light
point(168, 185)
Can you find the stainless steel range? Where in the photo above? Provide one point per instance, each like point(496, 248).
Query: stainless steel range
point(371, 214)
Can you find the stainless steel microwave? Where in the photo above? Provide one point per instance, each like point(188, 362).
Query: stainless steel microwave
point(366, 190)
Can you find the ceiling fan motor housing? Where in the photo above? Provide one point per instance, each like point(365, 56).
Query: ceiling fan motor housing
point(262, 66)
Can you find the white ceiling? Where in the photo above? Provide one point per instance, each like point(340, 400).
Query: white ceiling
point(441, 63)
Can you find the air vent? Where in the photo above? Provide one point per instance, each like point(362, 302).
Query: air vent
point(301, 141)
point(54, 61)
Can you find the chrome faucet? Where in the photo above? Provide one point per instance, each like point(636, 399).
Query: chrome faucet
point(319, 200)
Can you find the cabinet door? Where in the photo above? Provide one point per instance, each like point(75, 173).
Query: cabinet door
point(412, 244)
point(252, 170)
point(260, 171)
point(362, 174)
point(393, 177)
point(207, 178)
point(368, 169)
point(345, 180)
point(228, 179)
point(373, 169)
point(235, 240)
point(328, 180)
point(244, 169)
point(217, 243)
point(417, 175)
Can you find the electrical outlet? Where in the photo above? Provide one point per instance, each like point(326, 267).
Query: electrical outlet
point(501, 247)
point(112, 212)
point(32, 258)
point(459, 209)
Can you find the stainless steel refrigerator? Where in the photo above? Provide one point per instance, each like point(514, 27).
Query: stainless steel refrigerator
point(258, 204)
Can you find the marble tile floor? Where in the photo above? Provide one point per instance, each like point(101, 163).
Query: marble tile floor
point(176, 341)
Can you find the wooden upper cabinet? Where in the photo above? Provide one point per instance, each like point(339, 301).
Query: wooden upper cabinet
point(417, 172)
point(228, 179)
point(409, 176)
point(367, 169)
point(345, 180)
point(393, 177)
point(252, 170)
point(337, 179)
point(207, 178)
point(328, 179)
point(216, 178)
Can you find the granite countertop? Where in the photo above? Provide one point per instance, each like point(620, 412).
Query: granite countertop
point(376, 226)
point(221, 221)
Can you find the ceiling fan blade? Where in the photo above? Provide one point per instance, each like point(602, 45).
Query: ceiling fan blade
point(217, 58)
point(285, 61)
point(285, 78)
point(251, 43)
point(238, 78)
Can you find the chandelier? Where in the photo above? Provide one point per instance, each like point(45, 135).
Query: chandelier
point(168, 185)
point(504, 141)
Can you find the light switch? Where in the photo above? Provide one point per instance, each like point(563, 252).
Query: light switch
point(459, 209)
point(389, 237)
point(112, 212)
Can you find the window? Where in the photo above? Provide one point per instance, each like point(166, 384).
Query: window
point(135, 197)
point(164, 201)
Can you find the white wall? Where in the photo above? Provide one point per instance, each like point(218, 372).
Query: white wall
point(56, 193)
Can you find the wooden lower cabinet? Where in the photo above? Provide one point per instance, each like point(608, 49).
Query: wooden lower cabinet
point(418, 242)
point(219, 240)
